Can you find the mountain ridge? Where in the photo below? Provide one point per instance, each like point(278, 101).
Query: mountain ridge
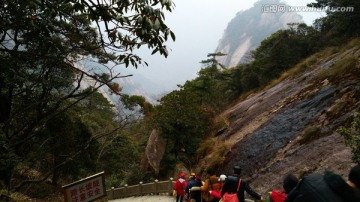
point(248, 28)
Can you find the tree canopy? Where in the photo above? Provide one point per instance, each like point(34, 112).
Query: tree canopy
point(341, 21)
point(44, 48)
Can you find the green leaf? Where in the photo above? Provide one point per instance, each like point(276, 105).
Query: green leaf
point(172, 35)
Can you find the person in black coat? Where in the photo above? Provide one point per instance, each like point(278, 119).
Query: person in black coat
point(327, 187)
point(231, 184)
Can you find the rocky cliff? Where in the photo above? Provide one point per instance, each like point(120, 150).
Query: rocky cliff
point(248, 28)
point(290, 127)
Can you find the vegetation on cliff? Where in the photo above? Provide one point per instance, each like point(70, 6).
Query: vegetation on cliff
point(54, 132)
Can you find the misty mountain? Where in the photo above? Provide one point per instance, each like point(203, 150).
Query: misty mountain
point(242, 35)
point(248, 28)
point(139, 84)
point(132, 83)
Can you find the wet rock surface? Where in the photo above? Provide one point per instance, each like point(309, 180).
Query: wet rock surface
point(259, 147)
point(291, 127)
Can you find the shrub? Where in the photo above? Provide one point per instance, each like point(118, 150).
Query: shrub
point(352, 137)
point(310, 133)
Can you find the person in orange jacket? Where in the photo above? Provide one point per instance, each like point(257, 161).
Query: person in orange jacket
point(211, 184)
point(217, 194)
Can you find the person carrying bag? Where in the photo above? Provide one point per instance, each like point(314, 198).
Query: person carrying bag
point(231, 197)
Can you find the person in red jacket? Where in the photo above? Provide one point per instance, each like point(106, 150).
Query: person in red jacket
point(179, 187)
point(289, 183)
point(217, 194)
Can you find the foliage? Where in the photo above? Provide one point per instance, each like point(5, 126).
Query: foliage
point(281, 51)
point(212, 60)
point(47, 118)
point(134, 101)
point(338, 24)
point(352, 137)
point(63, 138)
point(121, 155)
point(182, 120)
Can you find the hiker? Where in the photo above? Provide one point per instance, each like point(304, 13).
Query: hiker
point(217, 194)
point(179, 187)
point(190, 184)
point(211, 184)
point(289, 183)
point(327, 187)
point(194, 182)
point(234, 183)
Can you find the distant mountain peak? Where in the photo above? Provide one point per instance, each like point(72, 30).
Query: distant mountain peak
point(248, 28)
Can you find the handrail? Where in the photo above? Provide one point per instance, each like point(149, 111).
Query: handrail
point(156, 187)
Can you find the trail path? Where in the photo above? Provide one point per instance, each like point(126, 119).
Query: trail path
point(152, 199)
point(146, 199)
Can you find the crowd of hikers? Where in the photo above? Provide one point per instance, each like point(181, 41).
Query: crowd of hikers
point(315, 187)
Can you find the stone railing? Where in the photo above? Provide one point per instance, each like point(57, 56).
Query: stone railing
point(156, 188)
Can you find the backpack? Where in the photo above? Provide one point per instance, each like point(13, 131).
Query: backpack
point(227, 197)
point(206, 196)
point(278, 196)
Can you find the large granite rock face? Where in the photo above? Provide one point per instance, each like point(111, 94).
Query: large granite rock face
point(154, 151)
point(291, 127)
point(248, 28)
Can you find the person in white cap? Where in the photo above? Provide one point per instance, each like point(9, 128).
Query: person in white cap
point(217, 194)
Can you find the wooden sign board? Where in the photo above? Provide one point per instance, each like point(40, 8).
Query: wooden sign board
point(85, 190)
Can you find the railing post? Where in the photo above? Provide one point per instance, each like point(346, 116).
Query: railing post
point(171, 186)
point(156, 187)
point(126, 190)
point(140, 188)
point(112, 193)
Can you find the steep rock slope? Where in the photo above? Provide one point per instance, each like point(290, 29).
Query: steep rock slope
point(248, 28)
point(291, 126)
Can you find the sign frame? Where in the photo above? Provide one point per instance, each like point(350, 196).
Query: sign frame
point(68, 187)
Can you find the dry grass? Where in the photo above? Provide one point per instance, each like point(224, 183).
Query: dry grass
point(304, 65)
point(215, 152)
point(310, 133)
point(349, 65)
point(220, 123)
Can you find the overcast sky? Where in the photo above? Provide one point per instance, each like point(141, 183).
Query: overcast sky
point(198, 26)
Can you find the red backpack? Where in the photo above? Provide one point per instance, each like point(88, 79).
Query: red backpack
point(231, 197)
point(278, 196)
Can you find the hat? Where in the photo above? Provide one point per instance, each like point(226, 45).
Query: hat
point(354, 175)
point(222, 178)
point(237, 170)
point(192, 174)
point(290, 182)
point(198, 178)
point(210, 171)
point(182, 175)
